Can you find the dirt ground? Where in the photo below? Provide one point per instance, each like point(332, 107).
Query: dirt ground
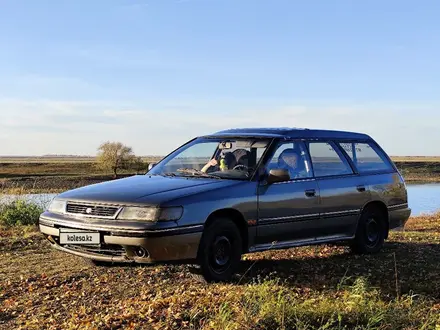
point(41, 288)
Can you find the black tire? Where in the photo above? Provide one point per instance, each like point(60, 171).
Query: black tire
point(98, 263)
point(371, 231)
point(220, 251)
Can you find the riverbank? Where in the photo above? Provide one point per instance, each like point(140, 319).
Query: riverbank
point(42, 176)
point(304, 288)
point(419, 170)
point(50, 184)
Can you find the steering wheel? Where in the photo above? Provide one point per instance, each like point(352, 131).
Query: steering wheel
point(241, 167)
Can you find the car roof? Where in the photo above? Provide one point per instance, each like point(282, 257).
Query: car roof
point(286, 132)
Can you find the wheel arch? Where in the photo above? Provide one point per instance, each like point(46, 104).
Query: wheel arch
point(239, 220)
point(383, 208)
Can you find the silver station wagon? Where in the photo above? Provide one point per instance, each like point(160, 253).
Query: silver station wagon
point(234, 192)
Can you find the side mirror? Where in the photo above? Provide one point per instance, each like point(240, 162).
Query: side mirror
point(278, 175)
point(151, 165)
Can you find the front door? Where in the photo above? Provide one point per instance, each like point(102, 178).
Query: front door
point(288, 210)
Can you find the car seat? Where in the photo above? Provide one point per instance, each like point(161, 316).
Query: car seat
point(242, 157)
point(300, 163)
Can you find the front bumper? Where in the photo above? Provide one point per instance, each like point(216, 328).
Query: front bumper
point(122, 245)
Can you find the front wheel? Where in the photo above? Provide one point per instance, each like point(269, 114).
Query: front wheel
point(371, 231)
point(220, 250)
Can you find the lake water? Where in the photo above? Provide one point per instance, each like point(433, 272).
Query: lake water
point(423, 198)
point(41, 199)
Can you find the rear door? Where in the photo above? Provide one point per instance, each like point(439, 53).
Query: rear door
point(343, 192)
point(382, 178)
point(288, 210)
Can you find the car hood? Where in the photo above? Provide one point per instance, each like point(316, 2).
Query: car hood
point(136, 189)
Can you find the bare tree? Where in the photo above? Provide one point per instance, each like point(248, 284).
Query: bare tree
point(114, 156)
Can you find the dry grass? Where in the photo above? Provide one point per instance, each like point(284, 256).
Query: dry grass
point(56, 175)
point(321, 287)
point(435, 159)
point(60, 160)
point(53, 184)
point(424, 223)
point(78, 159)
point(51, 177)
point(26, 160)
point(420, 171)
point(47, 169)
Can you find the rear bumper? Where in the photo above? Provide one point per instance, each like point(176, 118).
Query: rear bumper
point(179, 244)
point(399, 217)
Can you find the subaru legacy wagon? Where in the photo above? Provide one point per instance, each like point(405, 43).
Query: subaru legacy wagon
point(234, 192)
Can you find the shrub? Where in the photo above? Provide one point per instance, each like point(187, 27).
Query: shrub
point(20, 212)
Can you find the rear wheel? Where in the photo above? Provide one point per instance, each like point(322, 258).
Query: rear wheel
point(371, 231)
point(220, 251)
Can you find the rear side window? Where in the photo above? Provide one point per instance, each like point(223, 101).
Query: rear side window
point(327, 161)
point(366, 157)
point(285, 146)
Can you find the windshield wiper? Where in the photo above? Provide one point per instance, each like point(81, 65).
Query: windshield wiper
point(169, 174)
point(197, 173)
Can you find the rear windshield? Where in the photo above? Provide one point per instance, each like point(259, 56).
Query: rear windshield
point(366, 157)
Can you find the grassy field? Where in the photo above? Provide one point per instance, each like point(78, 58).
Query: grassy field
point(51, 176)
point(46, 174)
point(425, 159)
point(321, 287)
point(419, 171)
point(75, 159)
point(63, 159)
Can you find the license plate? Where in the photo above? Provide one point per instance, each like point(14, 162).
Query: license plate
point(79, 238)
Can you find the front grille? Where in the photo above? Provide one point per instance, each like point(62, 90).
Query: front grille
point(92, 210)
point(105, 250)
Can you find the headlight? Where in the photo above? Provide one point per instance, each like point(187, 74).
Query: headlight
point(150, 213)
point(57, 206)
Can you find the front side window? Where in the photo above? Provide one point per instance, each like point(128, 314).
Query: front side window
point(327, 161)
point(214, 157)
point(365, 157)
point(292, 157)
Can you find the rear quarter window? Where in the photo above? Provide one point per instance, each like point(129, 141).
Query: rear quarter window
point(366, 157)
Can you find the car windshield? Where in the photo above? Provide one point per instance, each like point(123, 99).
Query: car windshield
point(217, 158)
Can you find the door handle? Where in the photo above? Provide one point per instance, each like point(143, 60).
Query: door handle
point(361, 188)
point(310, 193)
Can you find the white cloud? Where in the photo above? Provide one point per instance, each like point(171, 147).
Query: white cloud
point(46, 126)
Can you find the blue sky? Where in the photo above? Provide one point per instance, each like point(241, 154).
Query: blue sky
point(153, 74)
